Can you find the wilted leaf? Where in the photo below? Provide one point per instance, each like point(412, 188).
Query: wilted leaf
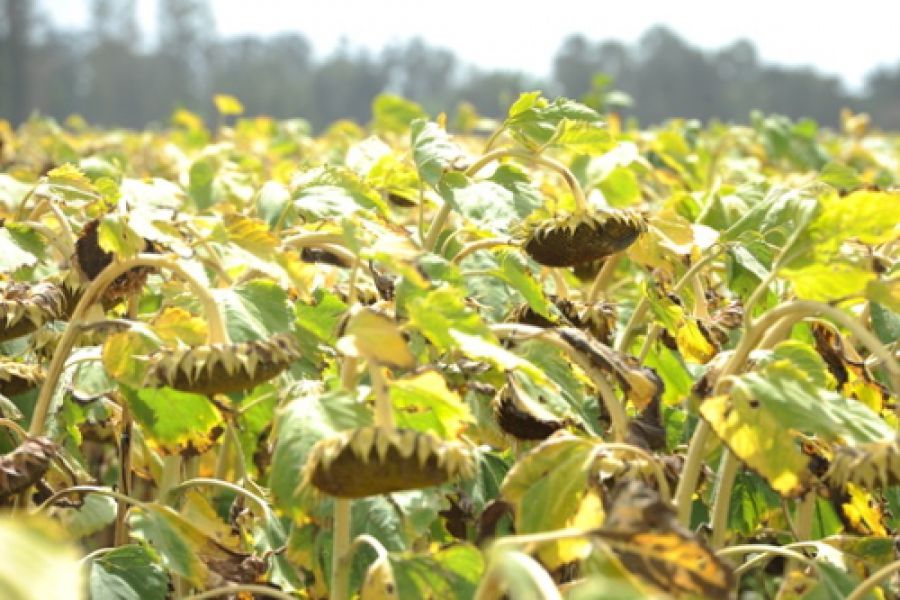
point(375, 336)
point(424, 403)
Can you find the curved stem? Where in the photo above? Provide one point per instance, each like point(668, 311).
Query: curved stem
point(437, 225)
point(690, 473)
point(765, 550)
point(477, 245)
point(87, 558)
point(873, 580)
point(225, 485)
point(603, 277)
point(93, 489)
point(13, 426)
point(312, 239)
point(569, 177)
point(491, 586)
point(559, 283)
point(236, 588)
point(218, 334)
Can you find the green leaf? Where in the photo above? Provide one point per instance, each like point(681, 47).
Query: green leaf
point(871, 217)
point(331, 192)
point(116, 236)
point(441, 310)
point(433, 151)
point(172, 420)
point(36, 560)
point(272, 202)
point(804, 357)
point(200, 183)
point(582, 137)
point(840, 176)
point(535, 122)
point(752, 503)
point(827, 282)
point(424, 403)
point(173, 537)
point(254, 310)
point(322, 316)
point(308, 418)
point(452, 573)
point(885, 323)
point(394, 114)
point(15, 254)
point(479, 348)
point(127, 573)
point(93, 515)
point(228, 105)
point(514, 270)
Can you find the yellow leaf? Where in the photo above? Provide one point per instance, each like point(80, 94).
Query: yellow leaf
point(692, 344)
point(757, 438)
point(826, 282)
point(375, 336)
point(176, 324)
point(120, 356)
point(187, 119)
point(379, 583)
point(863, 512)
point(228, 105)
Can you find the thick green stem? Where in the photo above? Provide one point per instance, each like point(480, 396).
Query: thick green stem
point(170, 476)
point(690, 473)
point(559, 283)
point(437, 225)
point(724, 485)
point(313, 239)
point(601, 282)
point(340, 576)
point(218, 334)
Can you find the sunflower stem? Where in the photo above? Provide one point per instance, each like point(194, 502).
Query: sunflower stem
point(863, 589)
point(384, 410)
point(477, 245)
point(604, 277)
point(724, 486)
point(340, 574)
point(218, 334)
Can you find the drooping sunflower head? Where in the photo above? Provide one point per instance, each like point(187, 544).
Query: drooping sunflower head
point(369, 461)
point(90, 260)
point(222, 368)
point(522, 418)
point(567, 240)
point(25, 307)
point(17, 377)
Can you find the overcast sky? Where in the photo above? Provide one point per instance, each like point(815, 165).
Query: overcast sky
point(844, 38)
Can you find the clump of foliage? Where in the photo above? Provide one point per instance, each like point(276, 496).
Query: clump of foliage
point(554, 358)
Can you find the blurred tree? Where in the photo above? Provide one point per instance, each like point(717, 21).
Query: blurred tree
point(186, 34)
point(344, 85)
point(422, 73)
point(883, 91)
point(19, 25)
point(491, 92)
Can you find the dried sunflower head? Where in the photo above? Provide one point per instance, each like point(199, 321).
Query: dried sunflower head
point(222, 368)
point(871, 465)
point(90, 260)
point(522, 418)
point(372, 460)
point(17, 377)
point(25, 307)
point(572, 239)
point(25, 465)
point(598, 318)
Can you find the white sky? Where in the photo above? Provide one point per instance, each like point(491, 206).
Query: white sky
point(844, 38)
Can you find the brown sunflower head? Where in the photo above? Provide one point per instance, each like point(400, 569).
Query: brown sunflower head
point(522, 418)
point(372, 460)
point(25, 465)
point(572, 239)
point(25, 307)
point(90, 260)
point(598, 318)
point(17, 377)
point(222, 368)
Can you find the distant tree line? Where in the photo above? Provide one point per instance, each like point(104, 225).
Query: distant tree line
point(106, 75)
